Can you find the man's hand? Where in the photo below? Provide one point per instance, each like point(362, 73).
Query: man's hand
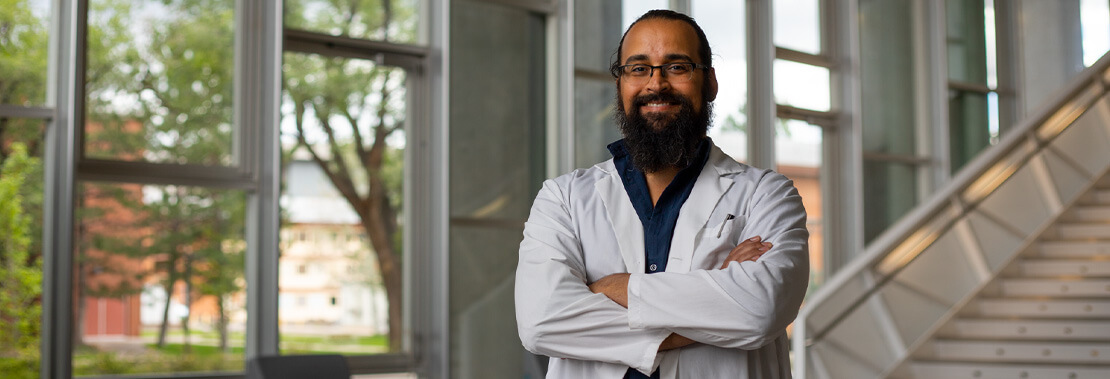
point(749, 250)
point(675, 341)
point(614, 286)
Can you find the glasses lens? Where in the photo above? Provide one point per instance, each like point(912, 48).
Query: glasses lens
point(673, 72)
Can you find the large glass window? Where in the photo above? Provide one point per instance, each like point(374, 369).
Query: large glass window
point(798, 147)
point(159, 280)
point(891, 157)
point(21, 186)
point(497, 163)
point(395, 21)
point(341, 268)
point(1095, 18)
point(969, 111)
point(802, 85)
point(798, 25)
point(159, 81)
point(596, 39)
point(24, 41)
point(723, 23)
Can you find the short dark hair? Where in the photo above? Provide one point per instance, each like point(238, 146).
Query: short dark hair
point(704, 52)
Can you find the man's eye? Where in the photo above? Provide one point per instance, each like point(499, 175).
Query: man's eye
point(678, 68)
point(638, 70)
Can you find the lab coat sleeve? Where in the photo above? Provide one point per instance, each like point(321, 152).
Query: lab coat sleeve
point(557, 315)
point(746, 305)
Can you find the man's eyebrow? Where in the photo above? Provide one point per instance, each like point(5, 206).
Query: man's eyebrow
point(670, 58)
point(679, 57)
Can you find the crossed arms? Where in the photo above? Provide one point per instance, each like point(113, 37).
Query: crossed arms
point(627, 318)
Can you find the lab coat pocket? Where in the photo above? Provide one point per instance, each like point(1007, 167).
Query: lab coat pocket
point(719, 238)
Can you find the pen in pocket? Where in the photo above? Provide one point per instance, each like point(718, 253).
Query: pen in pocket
point(729, 217)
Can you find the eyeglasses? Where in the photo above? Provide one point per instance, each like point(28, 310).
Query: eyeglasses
point(637, 74)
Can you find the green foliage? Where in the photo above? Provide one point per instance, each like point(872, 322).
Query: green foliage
point(23, 54)
point(20, 270)
point(389, 20)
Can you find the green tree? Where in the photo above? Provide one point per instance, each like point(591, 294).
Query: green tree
point(166, 97)
point(23, 53)
point(357, 106)
point(20, 269)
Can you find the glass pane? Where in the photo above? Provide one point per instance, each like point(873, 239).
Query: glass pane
point(1095, 19)
point(21, 186)
point(798, 25)
point(723, 23)
point(887, 61)
point(24, 47)
point(395, 21)
point(798, 156)
point(160, 81)
point(969, 126)
point(159, 279)
point(596, 35)
point(497, 163)
point(801, 85)
point(633, 9)
point(593, 127)
point(967, 48)
point(340, 273)
point(891, 191)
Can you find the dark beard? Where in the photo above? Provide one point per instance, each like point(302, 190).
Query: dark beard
point(655, 143)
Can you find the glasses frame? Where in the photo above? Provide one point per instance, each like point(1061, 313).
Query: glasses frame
point(618, 71)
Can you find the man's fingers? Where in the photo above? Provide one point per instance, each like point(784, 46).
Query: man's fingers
point(748, 250)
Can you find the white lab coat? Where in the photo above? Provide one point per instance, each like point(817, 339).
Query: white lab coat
point(583, 227)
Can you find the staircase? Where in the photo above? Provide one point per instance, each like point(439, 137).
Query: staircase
point(1003, 273)
point(1046, 316)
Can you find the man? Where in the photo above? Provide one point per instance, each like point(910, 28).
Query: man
point(670, 260)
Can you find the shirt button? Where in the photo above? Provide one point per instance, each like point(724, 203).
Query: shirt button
point(653, 267)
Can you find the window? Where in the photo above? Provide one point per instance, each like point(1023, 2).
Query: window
point(723, 23)
point(798, 146)
point(160, 82)
point(24, 46)
point(972, 84)
point(344, 123)
point(160, 281)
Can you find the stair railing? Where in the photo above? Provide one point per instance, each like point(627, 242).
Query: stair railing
point(871, 316)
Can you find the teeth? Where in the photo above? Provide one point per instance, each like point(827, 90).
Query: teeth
point(656, 104)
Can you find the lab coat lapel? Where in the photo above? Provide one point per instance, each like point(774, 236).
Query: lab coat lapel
point(708, 189)
point(626, 225)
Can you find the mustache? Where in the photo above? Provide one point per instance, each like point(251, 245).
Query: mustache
point(642, 100)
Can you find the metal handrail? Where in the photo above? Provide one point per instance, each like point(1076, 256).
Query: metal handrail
point(1044, 124)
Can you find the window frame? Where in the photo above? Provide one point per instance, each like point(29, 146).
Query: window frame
point(256, 169)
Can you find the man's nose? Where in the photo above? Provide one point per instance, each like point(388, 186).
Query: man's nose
point(657, 82)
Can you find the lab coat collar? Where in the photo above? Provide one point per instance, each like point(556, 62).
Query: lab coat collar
point(712, 183)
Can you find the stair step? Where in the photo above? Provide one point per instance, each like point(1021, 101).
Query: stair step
point(1093, 213)
point(1074, 249)
point(1079, 309)
point(1056, 287)
point(1023, 352)
point(1081, 268)
point(1089, 230)
point(954, 370)
point(1059, 330)
point(1102, 196)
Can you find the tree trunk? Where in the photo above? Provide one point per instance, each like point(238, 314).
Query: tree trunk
point(391, 279)
point(166, 311)
point(221, 323)
point(187, 280)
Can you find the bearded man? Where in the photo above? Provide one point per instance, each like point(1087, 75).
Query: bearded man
point(671, 260)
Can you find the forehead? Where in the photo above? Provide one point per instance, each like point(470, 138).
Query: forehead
point(657, 39)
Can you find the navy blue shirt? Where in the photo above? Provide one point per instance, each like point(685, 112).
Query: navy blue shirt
point(659, 219)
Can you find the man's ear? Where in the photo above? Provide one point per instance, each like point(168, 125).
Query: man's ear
point(711, 93)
